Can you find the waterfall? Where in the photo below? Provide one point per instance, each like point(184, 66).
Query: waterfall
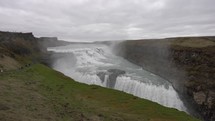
point(96, 64)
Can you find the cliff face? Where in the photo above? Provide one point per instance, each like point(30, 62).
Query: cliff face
point(44, 43)
point(51, 42)
point(188, 63)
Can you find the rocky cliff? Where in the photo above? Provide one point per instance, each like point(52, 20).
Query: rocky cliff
point(187, 62)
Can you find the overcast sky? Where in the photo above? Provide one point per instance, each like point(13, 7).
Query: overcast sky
point(90, 20)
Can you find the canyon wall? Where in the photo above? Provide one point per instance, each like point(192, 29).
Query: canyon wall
point(187, 62)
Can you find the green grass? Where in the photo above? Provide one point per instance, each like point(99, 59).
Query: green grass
point(40, 93)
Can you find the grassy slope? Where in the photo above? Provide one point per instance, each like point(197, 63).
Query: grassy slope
point(39, 93)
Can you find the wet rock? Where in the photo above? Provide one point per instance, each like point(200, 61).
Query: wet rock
point(112, 76)
point(101, 75)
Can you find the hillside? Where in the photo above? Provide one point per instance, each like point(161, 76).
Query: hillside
point(49, 95)
point(17, 49)
point(187, 62)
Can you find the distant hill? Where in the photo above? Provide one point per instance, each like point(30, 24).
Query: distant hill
point(51, 42)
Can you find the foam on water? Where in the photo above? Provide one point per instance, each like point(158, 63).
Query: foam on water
point(93, 59)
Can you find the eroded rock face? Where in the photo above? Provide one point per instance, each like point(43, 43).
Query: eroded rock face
point(190, 67)
point(112, 75)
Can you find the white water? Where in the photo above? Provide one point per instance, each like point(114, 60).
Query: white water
point(84, 62)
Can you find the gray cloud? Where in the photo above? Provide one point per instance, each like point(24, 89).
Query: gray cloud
point(90, 20)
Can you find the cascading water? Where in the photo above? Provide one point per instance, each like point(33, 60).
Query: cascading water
point(95, 64)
